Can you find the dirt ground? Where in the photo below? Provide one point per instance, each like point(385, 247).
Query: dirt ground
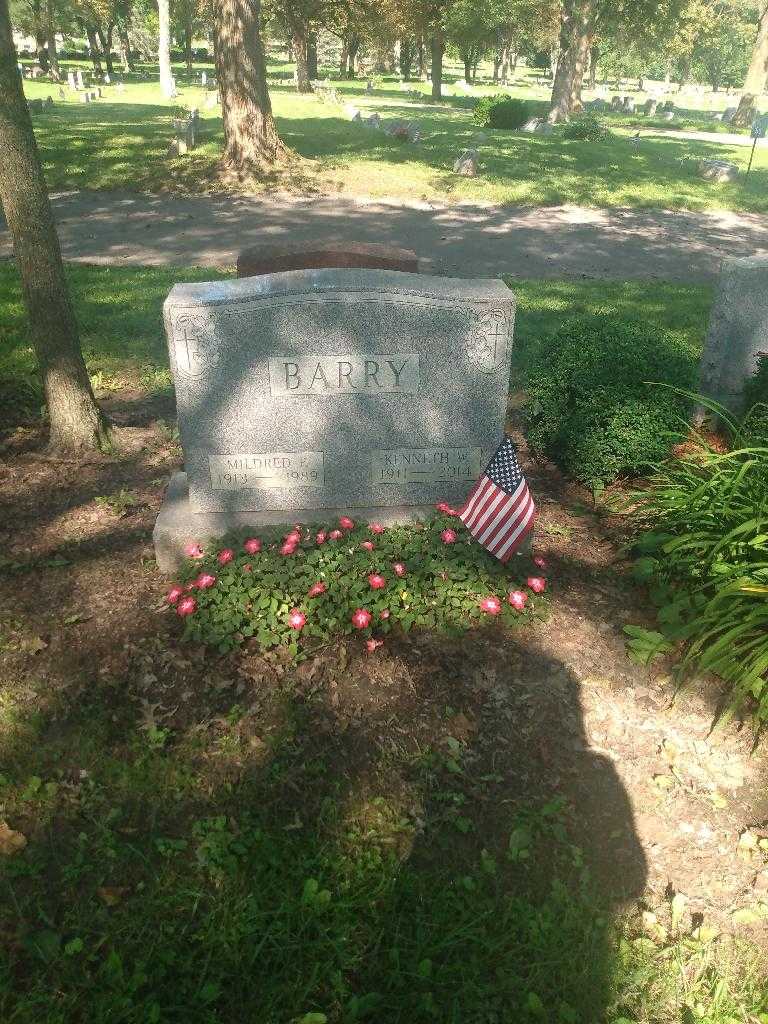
point(138, 229)
point(667, 804)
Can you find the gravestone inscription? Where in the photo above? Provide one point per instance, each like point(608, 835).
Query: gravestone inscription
point(308, 393)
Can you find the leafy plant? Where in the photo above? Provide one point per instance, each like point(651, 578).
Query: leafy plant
point(500, 112)
point(756, 389)
point(586, 127)
point(314, 584)
point(590, 406)
point(704, 554)
point(120, 503)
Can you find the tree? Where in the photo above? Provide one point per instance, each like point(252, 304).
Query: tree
point(757, 72)
point(251, 141)
point(164, 49)
point(582, 22)
point(75, 419)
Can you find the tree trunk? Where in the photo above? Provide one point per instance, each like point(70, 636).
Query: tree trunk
point(594, 57)
point(436, 47)
point(312, 56)
point(93, 46)
point(299, 39)
point(757, 73)
point(251, 142)
point(164, 49)
point(50, 33)
point(576, 33)
point(474, 70)
point(344, 56)
point(41, 39)
point(420, 56)
point(75, 419)
point(125, 48)
point(105, 38)
point(188, 37)
point(467, 69)
point(406, 58)
point(354, 46)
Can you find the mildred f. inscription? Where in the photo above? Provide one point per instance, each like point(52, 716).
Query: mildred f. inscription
point(266, 471)
point(352, 374)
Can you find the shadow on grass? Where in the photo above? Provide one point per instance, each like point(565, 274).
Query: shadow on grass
point(420, 836)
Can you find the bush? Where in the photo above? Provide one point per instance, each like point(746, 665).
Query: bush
point(704, 555)
point(590, 407)
point(756, 389)
point(500, 112)
point(300, 593)
point(586, 127)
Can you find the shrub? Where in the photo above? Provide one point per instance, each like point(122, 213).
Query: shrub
point(756, 389)
point(704, 554)
point(300, 593)
point(500, 112)
point(586, 127)
point(590, 407)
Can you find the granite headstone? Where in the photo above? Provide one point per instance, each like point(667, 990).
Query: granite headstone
point(307, 393)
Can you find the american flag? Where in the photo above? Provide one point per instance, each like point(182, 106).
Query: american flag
point(500, 511)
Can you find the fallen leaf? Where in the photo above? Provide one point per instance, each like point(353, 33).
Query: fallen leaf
point(33, 644)
point(10, 842)
point(663, 781)
point(111, 895)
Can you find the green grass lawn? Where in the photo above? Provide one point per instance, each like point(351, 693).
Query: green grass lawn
point(119, 311)
point(121, 141)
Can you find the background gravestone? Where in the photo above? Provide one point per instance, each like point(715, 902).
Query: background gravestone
point(737, 333)
point(304, 394)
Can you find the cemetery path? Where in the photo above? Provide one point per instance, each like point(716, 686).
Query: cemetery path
point(460, 240)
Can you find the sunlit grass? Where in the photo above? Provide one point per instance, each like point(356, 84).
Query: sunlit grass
point(121, 142)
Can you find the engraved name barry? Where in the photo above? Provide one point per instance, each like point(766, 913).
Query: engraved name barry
point(374, 374)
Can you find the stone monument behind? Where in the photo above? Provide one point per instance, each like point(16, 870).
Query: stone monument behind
point(305, 394)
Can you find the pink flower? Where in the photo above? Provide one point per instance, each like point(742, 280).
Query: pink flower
point(371, 645)
point(445, 508)
point(225, 556)
point(377, 581)
point(537, 584)
point(186, 606)
point(193, 550)
point(518, 599)
point(491, 605)
point(321, 537)
point(296, 618)
point(252, 546)
point(384, 614)
point(205, 580)
point(361, 618)
point(294, 537)
point(346, 523)
point(174, 594)
point(335, 535)
point(399, 569)
point(289, 548)
point(247, 567)
point(376, 528)
point(449, 537)
point(317, 589)
point(541, 562)
point(367, 545)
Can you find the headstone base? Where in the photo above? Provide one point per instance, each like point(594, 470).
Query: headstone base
point(177, 524)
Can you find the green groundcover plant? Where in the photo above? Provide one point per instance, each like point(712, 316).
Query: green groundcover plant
point(590, 406)
point(314, 584)
point(500, 112)
point(704, 555)
point(587, 127)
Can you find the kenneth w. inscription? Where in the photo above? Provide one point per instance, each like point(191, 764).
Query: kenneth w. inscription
point(345, 375)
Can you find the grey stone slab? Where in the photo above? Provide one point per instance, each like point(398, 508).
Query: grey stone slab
point(737, 333)
point(178, 525)
point(338, 389)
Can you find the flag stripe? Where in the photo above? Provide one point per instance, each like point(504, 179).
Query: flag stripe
point(488, 496)
point(502, 515)
point(519, 532)
point(477, 500)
